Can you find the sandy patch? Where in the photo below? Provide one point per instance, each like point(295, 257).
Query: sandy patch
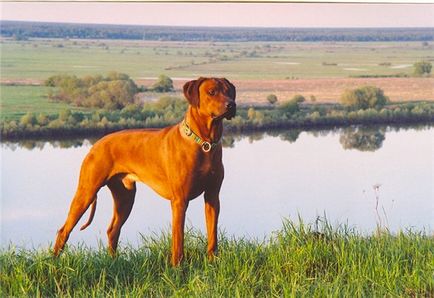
point(21, 82)
point(400, 66)
point(356, 64)
point(173, 78)
point(355, 69)
point(287, 63)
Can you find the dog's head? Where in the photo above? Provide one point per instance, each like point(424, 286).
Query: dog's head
point(214, 97)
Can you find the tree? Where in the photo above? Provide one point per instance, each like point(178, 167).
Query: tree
point(54, 81)
point(28, 119)
point(131, 110)
point(42, 119)
point(292, 106)
point(422, 68)
point(364, 98)
point(251, 113)
point(112, 92)
point(298, 98)
point(272, 99)
point(289, 107)
point(64, 114)
point(164, 84)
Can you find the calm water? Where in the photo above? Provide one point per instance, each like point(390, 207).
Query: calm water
point(341, 174)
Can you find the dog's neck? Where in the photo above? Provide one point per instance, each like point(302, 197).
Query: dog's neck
point(206, 127)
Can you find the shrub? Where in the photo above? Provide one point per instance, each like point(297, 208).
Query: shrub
point(174, 104)
point(364, 98)
point(292, 106)
point(42, 119)
point(112, 92)
point(164, 84)
point(422, 68)
point(131, 111)
point(272, 99)
point(289, 107)
point(77, 117)
point(53, 81)
point(64, 115)
point(56, 124)
point(251, 113)
point(28, 119)
point(298, 98)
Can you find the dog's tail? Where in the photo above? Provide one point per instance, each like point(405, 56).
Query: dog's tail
point(92, 213)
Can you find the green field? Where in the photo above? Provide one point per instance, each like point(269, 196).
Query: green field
point(19, 100)
point(298, 261)
point(39, 58)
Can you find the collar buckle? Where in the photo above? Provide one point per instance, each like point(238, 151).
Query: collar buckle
point(206, 146)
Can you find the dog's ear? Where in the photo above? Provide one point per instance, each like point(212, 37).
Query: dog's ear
point(232, 90)
point(191, 91)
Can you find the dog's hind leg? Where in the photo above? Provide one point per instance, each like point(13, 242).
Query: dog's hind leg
point(83, 198)
point(123, 192)
point(93, 175)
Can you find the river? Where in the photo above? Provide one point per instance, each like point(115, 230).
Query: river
point(359, 177)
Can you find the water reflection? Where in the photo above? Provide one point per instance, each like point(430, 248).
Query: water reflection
point(290, 136)
point(361, 138)
point(42, 143)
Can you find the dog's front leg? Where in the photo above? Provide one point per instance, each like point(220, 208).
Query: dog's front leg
point(212, 209)
point(179, 208)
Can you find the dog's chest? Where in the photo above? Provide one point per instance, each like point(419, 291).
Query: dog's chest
point(206, 166)
point(202, 174)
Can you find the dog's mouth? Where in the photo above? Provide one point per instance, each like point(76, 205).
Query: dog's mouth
point(229, 114)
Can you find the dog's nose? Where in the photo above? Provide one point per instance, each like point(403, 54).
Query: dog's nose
point(230, 105)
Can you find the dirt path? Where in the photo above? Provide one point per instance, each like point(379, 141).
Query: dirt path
point(324, 90)
point(21, 82)
point(330, 90)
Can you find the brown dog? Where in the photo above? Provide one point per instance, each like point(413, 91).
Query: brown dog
point(179, 162)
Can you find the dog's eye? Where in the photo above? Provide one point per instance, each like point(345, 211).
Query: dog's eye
point(211, 92)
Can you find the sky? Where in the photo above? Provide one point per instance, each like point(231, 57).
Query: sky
point(226, 14)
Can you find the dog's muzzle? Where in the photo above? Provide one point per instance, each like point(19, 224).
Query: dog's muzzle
point(231, 108)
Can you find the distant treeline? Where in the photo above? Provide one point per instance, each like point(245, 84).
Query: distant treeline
point(24, 30)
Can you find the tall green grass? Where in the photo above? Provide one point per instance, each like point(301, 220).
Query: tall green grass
point(297, 261)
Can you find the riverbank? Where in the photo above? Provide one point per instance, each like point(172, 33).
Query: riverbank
point(170, 110)
point(297, 260)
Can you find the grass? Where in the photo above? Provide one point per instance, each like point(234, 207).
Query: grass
point(297, 261)
point(40, 58)
point(16, 101)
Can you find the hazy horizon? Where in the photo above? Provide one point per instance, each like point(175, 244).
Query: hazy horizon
point(212, 26)
point(261, 15)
